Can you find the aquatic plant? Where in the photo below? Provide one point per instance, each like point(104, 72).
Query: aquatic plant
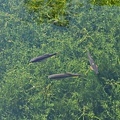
point(54, 11)
point(25, 90)
point(106, 2)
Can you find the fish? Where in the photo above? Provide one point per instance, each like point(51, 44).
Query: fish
point(92, 63)
point(62, 75)
point(42, 57)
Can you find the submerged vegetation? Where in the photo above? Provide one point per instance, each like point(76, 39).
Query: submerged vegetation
point(49, 10)
point(26, 92)
point(106, 2)
point(59, 12)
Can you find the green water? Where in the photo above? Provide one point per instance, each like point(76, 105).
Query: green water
point(26, 93)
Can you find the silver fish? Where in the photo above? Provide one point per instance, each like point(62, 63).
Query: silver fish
point(92, 63)
point(62, 75)
point(42, 57)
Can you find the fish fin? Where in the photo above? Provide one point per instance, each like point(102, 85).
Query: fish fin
point(91, 68)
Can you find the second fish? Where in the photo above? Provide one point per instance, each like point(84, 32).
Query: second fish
point(42, 57)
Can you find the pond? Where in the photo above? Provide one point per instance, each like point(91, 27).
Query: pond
point(63, 33)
